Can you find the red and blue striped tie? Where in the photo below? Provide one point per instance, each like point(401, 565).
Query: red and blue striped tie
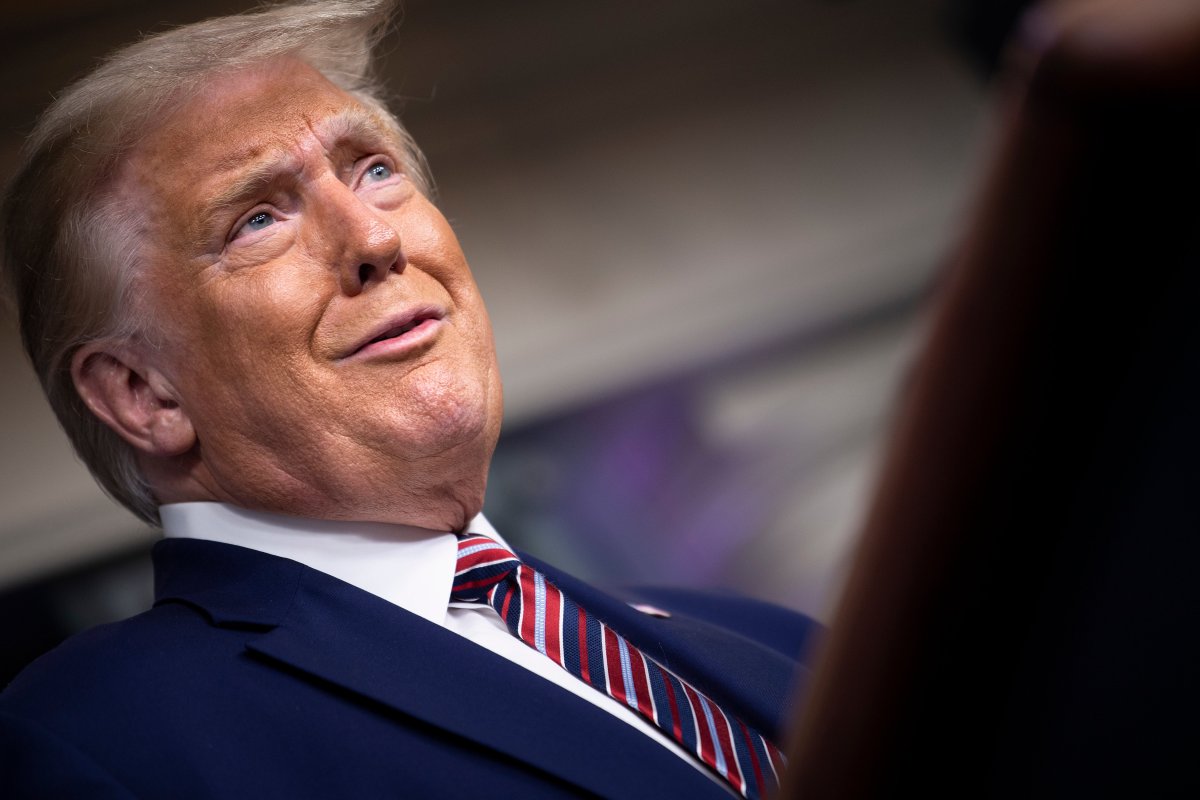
point(537, 613)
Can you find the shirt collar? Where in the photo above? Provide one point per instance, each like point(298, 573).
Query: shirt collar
point(405, 565)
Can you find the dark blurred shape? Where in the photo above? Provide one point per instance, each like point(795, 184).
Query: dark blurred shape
point(1020, 620)
point(982, 28)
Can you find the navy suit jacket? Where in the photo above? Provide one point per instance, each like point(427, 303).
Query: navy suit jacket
point(256, 676)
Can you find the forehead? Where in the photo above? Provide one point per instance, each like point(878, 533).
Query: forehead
point(244, 121)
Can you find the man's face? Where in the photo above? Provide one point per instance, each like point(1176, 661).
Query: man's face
point(322, 331)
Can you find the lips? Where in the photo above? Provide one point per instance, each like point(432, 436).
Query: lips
point(394, 332)
point(400, 333)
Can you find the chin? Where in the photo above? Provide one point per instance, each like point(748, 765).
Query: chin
point(447, 412)
point(436, 475)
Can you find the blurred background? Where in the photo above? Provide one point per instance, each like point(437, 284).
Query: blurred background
point(704, 229)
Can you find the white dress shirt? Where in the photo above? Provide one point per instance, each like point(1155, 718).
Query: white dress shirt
point(410, 567)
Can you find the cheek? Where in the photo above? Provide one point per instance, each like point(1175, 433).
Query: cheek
point(245, 344)
point(430, 244)
point(272, 311)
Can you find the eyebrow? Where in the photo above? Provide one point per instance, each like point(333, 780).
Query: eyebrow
point(360, 124)
point(259, 167)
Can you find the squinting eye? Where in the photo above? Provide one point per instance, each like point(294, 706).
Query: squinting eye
point(259, 221)
point(379, 172)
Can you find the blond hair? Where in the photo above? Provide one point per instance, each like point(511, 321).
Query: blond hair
point(67, 256)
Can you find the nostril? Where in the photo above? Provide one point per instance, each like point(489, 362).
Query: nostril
point(364, 273)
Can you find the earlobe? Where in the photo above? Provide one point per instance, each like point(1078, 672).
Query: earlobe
point(133, 399)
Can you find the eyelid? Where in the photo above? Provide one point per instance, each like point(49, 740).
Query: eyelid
point(372, 160)
point(241, 222)
point(362, 166)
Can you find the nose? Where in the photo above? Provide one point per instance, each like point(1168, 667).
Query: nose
point(370, 245)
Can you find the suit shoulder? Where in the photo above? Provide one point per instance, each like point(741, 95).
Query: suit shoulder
point(106, 662)
point(784, 630)
point(35, 763)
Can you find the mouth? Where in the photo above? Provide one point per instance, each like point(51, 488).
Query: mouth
point(401, 335)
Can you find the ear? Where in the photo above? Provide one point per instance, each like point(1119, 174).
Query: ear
point(132, 398)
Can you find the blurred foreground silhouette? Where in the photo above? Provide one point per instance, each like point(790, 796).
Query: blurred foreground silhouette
point(1019, 621)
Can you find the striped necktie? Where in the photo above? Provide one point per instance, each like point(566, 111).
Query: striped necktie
point(537, 613)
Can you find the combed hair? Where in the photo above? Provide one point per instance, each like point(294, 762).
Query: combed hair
point(70, 253)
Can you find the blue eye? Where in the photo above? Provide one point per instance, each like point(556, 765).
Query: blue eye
point(379, 172)
point(259, 221)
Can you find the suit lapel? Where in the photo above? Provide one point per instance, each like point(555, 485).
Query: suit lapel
point(743, 676)
point(346, 637)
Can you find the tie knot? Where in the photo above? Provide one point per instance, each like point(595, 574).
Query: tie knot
point(481, 565)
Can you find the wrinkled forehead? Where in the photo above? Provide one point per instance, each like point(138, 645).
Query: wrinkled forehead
point(254, 107)
point(246, 123)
